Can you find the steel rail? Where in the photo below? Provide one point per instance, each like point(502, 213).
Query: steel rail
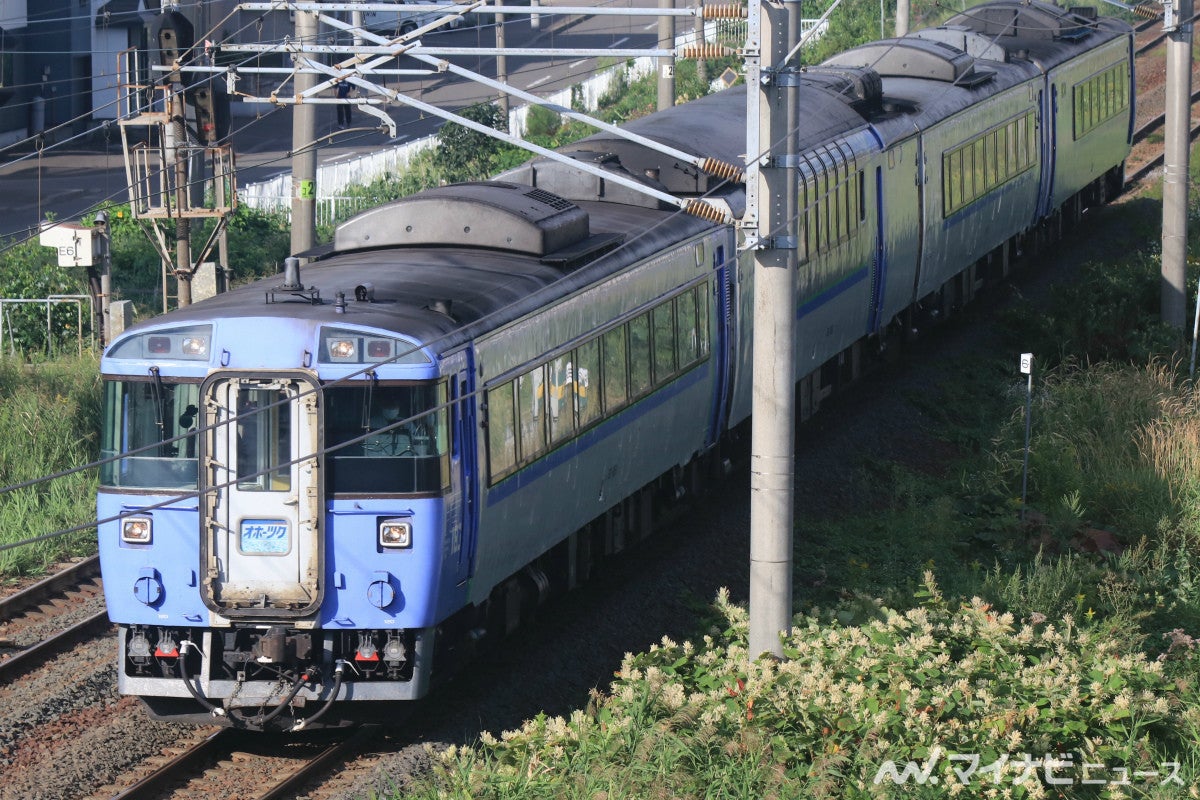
point(224, 741)
point(335, 753)
point(1142, 172)
point(41, 652)
point(29, 596)
point(189, 760)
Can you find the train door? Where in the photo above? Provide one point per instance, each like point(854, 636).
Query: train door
point(1047, 110)
point(878, 255)
point(723, 300)
point(924, 215)
point(463, 469)
point(261, 549)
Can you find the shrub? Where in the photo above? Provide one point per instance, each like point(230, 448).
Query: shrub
point(849, 706)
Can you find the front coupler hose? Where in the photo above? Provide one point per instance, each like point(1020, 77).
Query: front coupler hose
point(184, 646)
point(337, 686)
point(263, 719)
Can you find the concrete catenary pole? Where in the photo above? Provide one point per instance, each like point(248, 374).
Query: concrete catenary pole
point(666, 64)
point(771, 145)
point(356, 19)
point(1175, 167)
point(304, 152)
point(902, 10)
point(183, 225)
point(502, 64)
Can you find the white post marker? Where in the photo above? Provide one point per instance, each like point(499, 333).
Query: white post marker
point(1027, 370)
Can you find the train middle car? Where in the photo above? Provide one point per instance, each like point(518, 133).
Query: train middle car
point(328, 487)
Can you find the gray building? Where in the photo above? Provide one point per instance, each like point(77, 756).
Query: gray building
point(61, 61)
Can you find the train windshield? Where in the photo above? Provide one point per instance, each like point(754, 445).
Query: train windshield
point(394, 439)
point(140, 418)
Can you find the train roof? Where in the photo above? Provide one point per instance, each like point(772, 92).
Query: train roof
point(447, 293)
point(933, 73)
point(709, 127)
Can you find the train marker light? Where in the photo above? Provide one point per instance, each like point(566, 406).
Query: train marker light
point(395, 533)
point(159, 344)
point(136, 530)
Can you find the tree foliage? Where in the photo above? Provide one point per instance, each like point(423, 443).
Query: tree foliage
point(258, 243)
point(465, 154)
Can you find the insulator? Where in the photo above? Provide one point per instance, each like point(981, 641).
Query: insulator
point(704, 50)
point(729, 172)
point(703, 210)
point(1148, 11)
point(724, 11)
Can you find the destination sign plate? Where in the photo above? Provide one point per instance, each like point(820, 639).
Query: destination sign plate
point(264, 536)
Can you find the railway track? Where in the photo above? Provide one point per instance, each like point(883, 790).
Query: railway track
point(1150, 126)
point(48, 617)
point(257, 766)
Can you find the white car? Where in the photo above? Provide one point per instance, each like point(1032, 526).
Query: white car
point(409, 16)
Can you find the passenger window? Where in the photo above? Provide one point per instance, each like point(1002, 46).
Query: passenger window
point(502, 431)
point(685, 329)
point(531, 405)
point(811, 211)
point(561, 399)
point(586, 370)
point(979, 174)
point(702, 321)
point(840, 222)
point(861, 194)
point(639, 356)
point(664, 342)
point(616, 390)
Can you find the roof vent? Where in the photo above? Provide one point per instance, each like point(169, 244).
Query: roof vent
point(491, 214)
point(911, 57)
point(967, 40)
point(1025, 19)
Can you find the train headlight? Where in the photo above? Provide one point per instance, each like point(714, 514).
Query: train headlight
point(195, 346)
point(136, 530)
point(395, 533)
point(343, 349)
point(190, 343)
point(346, 346)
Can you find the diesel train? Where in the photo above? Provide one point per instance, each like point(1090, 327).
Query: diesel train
point(328, 488)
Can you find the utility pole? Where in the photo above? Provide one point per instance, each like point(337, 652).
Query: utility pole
point(902, 11)
point(1178, 25)
point(177, 141)
point(304, 148)
point(771, 197)
point(666, 64)
point(501, 63)
point(104, 251)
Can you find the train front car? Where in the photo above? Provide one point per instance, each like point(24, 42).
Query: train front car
point(277, 506)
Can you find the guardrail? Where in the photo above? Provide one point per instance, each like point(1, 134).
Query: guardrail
point(53, 300)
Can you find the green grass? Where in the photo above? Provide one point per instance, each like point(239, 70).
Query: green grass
point(49, 422)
